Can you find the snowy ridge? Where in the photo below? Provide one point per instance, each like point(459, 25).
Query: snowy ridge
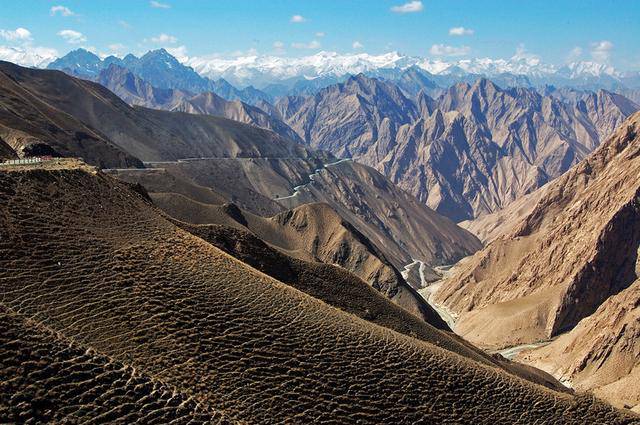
point(258, 69)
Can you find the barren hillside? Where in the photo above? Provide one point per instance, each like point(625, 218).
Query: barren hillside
point(311, 232)
point(88, 258)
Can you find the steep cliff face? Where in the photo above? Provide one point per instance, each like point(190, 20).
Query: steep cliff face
point(471, 151)
point(576, 248)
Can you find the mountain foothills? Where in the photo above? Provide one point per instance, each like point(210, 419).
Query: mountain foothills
point(197, 252)
point(568, 267)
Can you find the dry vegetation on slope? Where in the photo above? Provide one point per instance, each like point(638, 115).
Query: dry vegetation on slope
point(88, 258)
point(575, 249)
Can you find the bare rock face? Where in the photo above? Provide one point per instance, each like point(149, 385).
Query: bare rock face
point(349, 118)
point(470, 152)
point(574, 250)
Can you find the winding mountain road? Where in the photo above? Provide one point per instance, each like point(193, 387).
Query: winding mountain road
point(296, 189)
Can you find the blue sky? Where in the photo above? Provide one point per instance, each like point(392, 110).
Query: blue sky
point(604, 30)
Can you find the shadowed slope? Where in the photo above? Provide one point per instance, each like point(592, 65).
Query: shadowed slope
point(112, 274)
point(31, 126)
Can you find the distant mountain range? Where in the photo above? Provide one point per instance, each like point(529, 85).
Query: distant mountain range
point(158, 68)
point(264, 78)
point(471, 151)
point(262, 70)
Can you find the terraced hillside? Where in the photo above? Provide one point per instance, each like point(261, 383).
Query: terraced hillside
point(88, 260)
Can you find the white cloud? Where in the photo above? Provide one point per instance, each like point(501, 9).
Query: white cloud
point(72, 37)
point(19, 34)
point(244, 53)
point(62, 10)
point(357, 45)
point(298, 19)
point(523, 55)
point(574, 54)
point(179, 52)
point(460, 31)
point(601, 50)
point(124, 24)
point(315, 44)
point(320, 34)
point(278, 47)
point(116, 47)
point(444, 50)
point(28, 55)
point(164, 38)
point(410, 7)
point(158, 5)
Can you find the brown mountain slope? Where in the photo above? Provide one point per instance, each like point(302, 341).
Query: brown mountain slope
point(602, 353)
point(6, 151)
point(342, 290)
point(150, 135)
point(311, 232)
point(575, 249)
point(490, 226)
point(111, 274)
point(399, 226)
point(135, 91)
point(404, 228)
point(30, 125)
